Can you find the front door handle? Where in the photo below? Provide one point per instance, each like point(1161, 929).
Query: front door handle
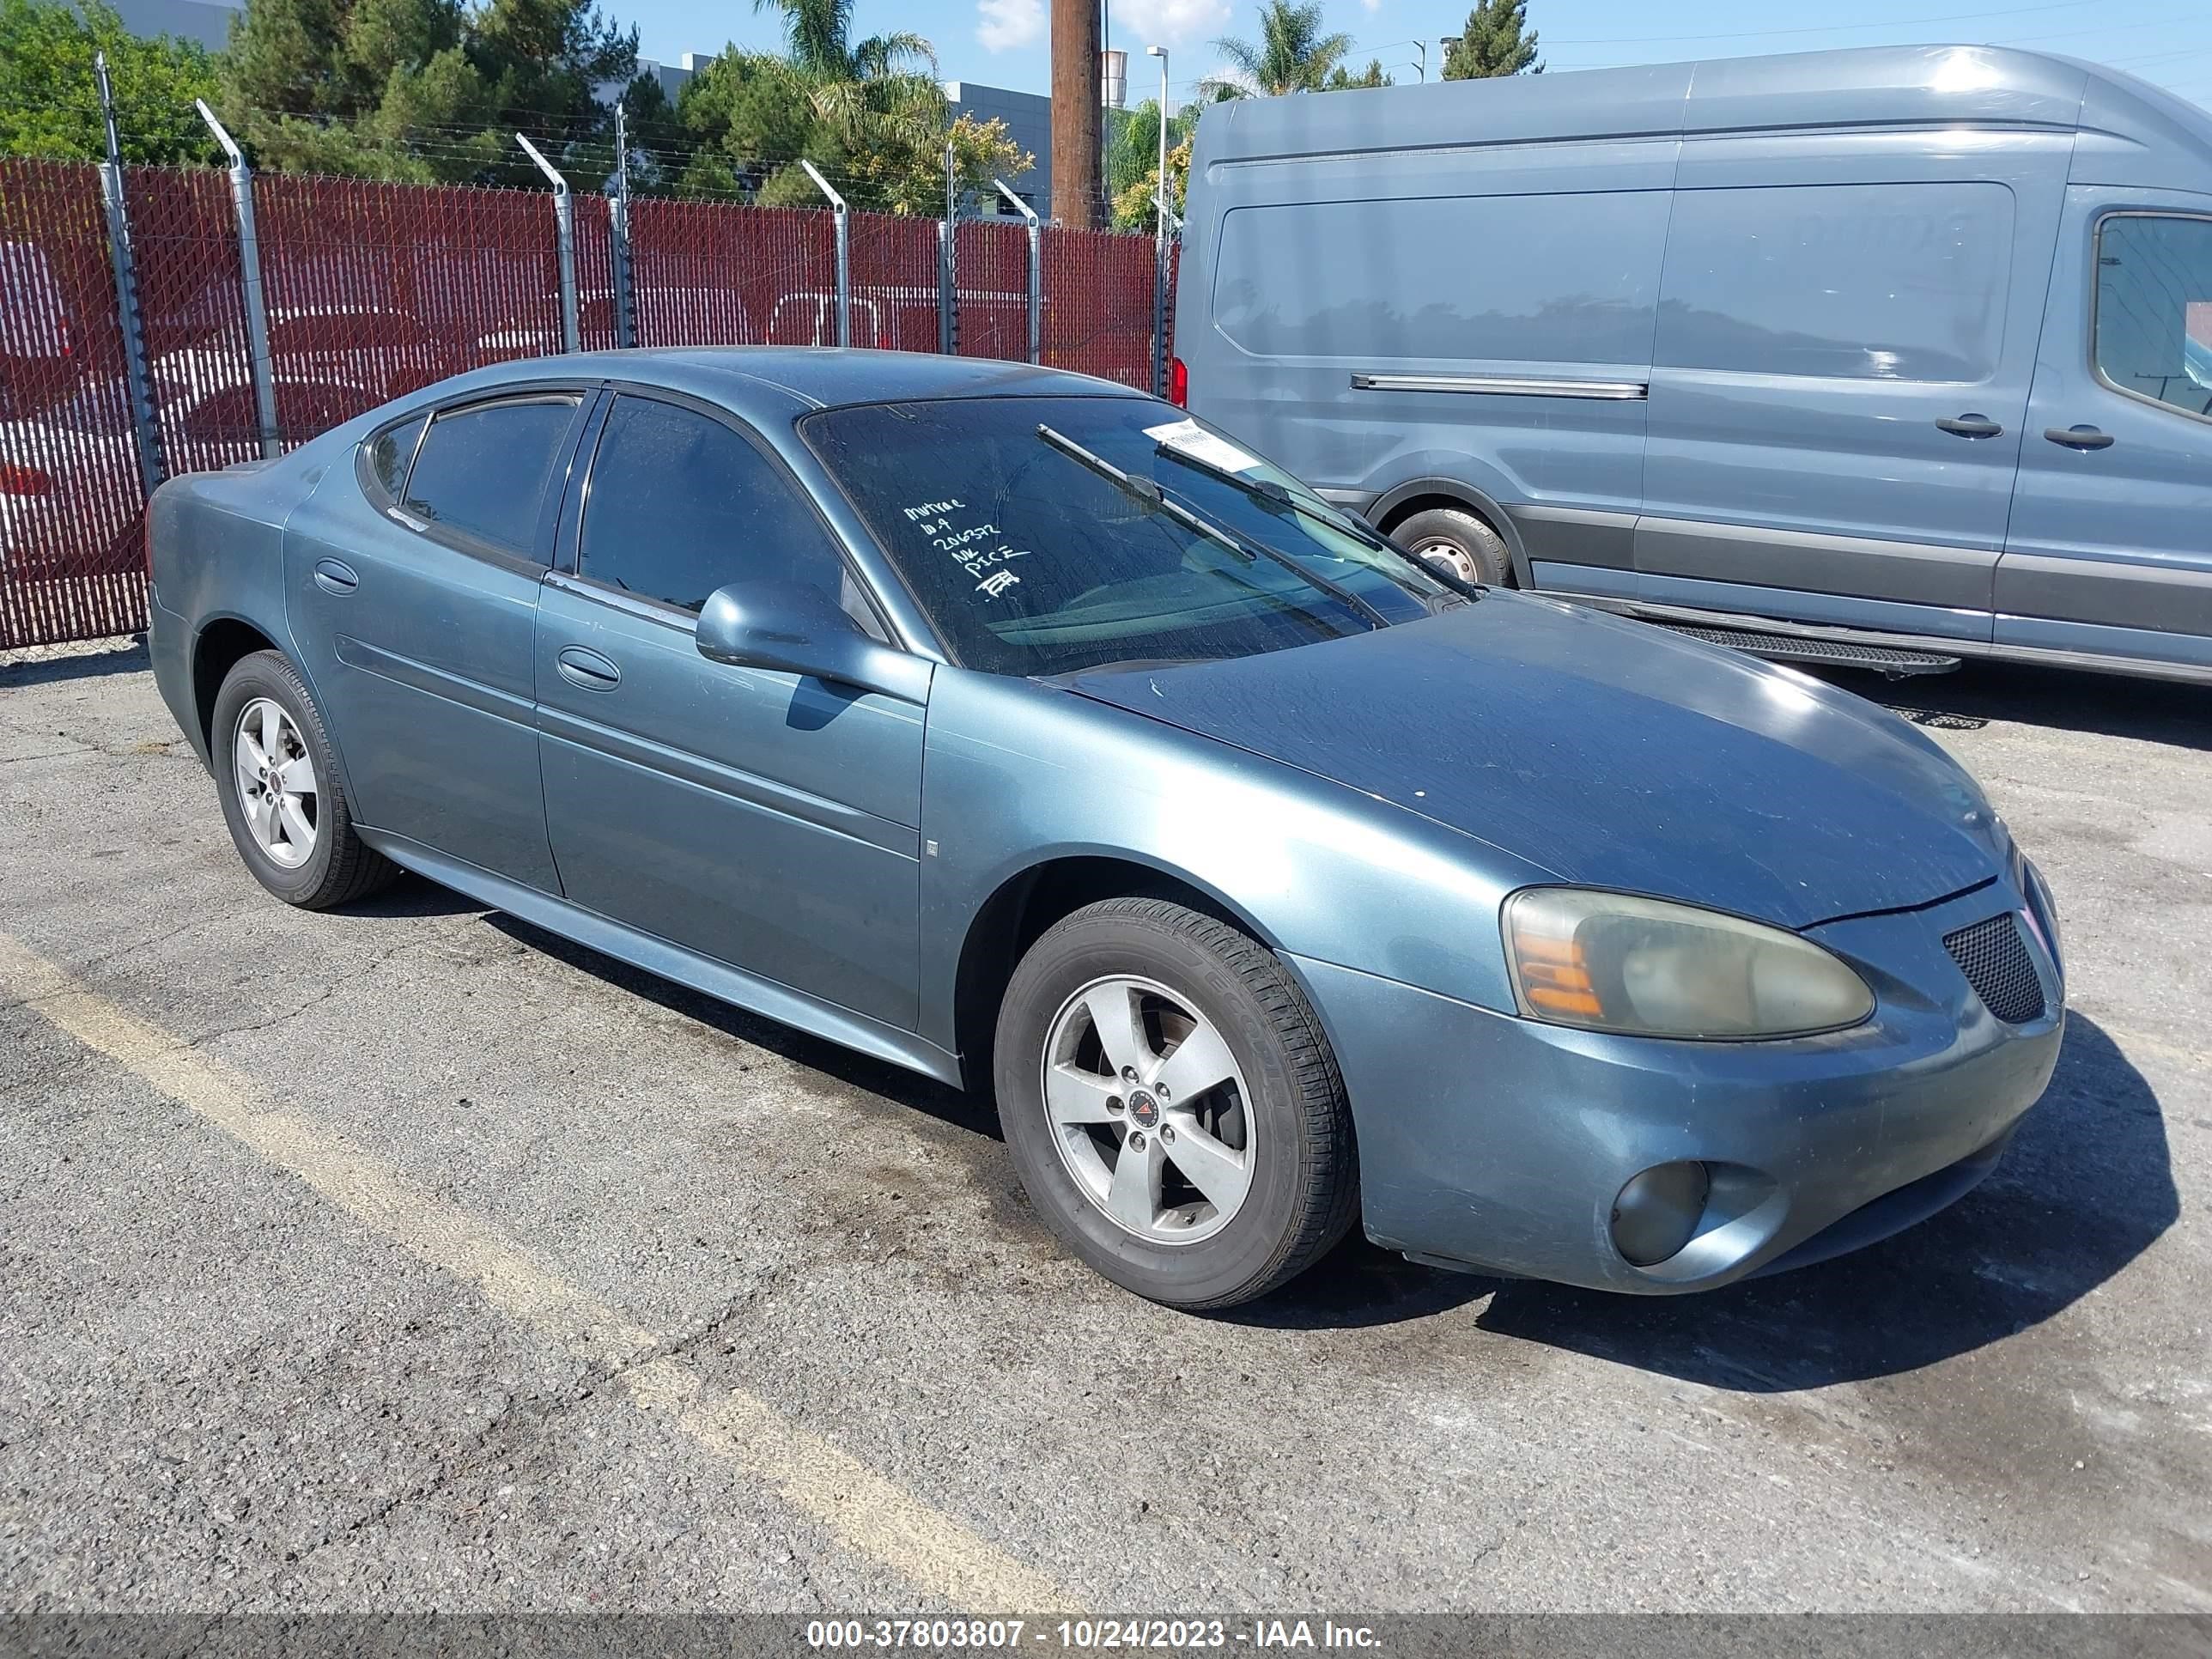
point(2079, 437)
point(1971, 426)
point(335, 578)
point(588, 668)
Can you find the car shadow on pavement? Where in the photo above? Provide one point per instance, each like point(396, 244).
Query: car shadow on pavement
point(2085, 1188)
point(869, 1081)
point(2107, 705)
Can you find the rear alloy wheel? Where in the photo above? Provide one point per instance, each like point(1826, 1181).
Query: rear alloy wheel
point(281, 797)
point(1457, 542)
point(1171, 1104)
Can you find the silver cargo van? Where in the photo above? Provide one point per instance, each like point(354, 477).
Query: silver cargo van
point(1885, 347)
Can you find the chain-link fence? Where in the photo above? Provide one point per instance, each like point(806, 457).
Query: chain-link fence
point(372, 290)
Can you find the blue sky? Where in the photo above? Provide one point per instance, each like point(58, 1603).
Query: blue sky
point(1003, 42)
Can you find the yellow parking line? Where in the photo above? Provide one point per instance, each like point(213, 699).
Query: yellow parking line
point(869, 1511)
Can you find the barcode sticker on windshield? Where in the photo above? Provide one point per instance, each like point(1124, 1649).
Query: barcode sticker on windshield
point(1188, 438)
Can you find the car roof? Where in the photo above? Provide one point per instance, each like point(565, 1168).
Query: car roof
point(763, 381)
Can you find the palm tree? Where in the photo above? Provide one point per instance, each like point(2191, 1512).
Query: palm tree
point(818, 38)
point(1291, 54)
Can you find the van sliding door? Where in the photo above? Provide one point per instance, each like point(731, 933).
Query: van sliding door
point(1847, 321)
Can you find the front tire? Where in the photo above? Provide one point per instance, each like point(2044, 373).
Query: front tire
point(1172, 1106)
point(279, 785)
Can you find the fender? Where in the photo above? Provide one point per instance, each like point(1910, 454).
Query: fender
point(1482, 503)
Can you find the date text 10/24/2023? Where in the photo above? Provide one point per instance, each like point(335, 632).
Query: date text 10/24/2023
point(1087, 1635)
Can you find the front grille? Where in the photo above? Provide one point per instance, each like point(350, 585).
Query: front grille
point(1994, 959)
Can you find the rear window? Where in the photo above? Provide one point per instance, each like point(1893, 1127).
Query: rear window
point(484, 470)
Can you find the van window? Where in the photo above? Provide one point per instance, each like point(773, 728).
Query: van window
point(2154, 308)
point(1845, 281)
point(1546, 279)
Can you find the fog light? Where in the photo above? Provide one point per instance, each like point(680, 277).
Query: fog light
point(1657, 1211)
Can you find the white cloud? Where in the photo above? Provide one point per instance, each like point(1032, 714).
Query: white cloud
point(1169, 22)
point(1007, 24)
point(1371, 6)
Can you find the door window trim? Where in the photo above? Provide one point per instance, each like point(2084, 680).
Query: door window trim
point(539, 556)
point(568, 556)
point(2096, 301)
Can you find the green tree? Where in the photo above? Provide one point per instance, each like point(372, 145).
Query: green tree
point(50, 102)
point(1341, 79)
point(1135, 205)
point(422, 89)
point(1496, 41)
point(1290, 55)
point(818, 41)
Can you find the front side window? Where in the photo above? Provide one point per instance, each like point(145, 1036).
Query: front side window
point(681, 504)
point(2154, 331)
point(483, 471)
point(1049, 535)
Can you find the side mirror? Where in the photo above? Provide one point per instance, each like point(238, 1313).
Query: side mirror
point(794, 630)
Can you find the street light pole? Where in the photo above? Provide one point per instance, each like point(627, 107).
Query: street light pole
point(1160, 241)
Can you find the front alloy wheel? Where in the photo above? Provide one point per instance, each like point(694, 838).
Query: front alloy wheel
point(1172, 1103)
point(1147, 1108)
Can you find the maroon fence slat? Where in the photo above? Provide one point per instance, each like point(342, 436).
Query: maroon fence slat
point(991, 274)
point(184, 233)
point(1099, 304)
point(595, 273)
point(709, 273)
point(894, 281)
point(375, 289)
point(71, 506)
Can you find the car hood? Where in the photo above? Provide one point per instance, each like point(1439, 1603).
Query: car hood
point(1610, 753)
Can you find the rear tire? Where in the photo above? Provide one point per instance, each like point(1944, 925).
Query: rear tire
point(278, 781)
point(1221, 1075)
point(1456, 541)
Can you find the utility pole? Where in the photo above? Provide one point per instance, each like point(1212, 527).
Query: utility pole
point(1075, 116)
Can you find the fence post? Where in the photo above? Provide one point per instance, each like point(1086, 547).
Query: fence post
point(948, 314)
point(564, 227)
point(249, 265)
point(135, 375)
point(1037, 269)
point(625, 303)
point(844, 254)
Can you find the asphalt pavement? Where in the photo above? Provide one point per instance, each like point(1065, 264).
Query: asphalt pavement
point(409, 1258)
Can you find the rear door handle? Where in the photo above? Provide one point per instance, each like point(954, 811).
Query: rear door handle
point(1971, 426)
point(335, 578)
point(2079, 437)
point(588, 668)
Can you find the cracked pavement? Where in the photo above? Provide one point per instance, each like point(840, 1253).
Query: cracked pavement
point(227, 1387)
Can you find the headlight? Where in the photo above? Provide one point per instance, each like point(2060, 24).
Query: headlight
point(1608, 962)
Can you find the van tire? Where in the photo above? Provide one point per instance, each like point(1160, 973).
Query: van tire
point(1458, 543)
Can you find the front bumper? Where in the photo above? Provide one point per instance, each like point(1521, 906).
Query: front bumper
point(1499, 1144)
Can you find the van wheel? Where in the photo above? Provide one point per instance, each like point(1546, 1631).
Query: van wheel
point(1172, 1106)
point(1457, 542)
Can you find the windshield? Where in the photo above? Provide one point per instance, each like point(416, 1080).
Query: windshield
point(1049, 535)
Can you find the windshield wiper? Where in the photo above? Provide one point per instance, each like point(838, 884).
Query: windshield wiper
point(1276, 494)
point(1149, 492)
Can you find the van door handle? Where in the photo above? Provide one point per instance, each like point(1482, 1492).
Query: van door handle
point(588, 668)
point(2079, 437)
point(1971, 426)
point(335, 578)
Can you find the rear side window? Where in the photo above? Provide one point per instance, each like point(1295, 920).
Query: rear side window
point(1482, 278)
point(484, 470)
point(2154, 308)
point(681, 504)
point(390, 451)
point(1838, 281)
